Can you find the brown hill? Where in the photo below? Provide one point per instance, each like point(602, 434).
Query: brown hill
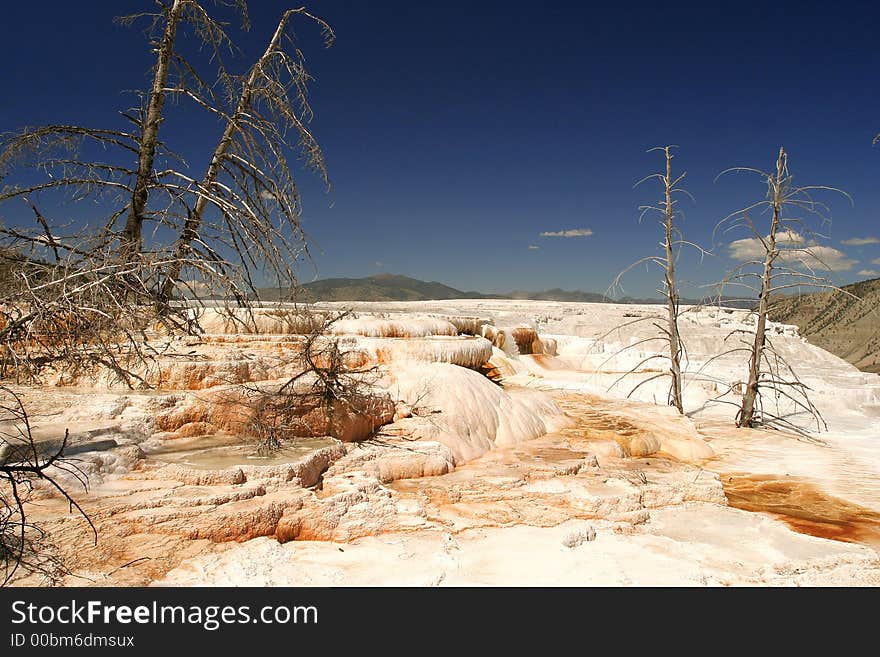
point(379, 287)
point(847, 327)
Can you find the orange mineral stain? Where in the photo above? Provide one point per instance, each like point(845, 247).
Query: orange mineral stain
point(804, 507)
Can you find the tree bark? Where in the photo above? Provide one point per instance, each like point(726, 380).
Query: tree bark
point(671, 296)
point(132, 238)
point(746, 415)
point(196, 216)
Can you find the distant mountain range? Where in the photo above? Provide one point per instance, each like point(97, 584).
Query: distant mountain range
point(847, 327)
point(557, 294)
point(843, 325)
point(379, 287)
point(394, 287)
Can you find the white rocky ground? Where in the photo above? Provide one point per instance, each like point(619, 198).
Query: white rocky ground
point(553, 478)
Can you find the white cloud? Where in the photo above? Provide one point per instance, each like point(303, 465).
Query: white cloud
point(794, 248)
point(572, 232)
point(266, 195)
point(875, 261)
point(533, 247)
point(750, 248)
point(826, 257)
point(869, 273)
point(861, 241)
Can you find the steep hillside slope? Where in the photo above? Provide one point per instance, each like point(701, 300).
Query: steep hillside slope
point(847, 327)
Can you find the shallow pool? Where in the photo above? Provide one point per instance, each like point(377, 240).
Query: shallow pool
point(220, 452)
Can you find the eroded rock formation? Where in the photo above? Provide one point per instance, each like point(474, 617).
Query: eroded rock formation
point(450, 466)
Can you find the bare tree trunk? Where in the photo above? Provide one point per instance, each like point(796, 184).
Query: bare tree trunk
point(671, 295)
point(132, 235)
point(195, 216)
point(666, 324)
point(746, 414)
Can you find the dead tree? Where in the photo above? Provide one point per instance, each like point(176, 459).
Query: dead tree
point(334, 384)
point(84, 295)
point(87, 297)
point(671, 244)
point(787, 255)
point(253, 143)
point(149, 131)
point(23, 462)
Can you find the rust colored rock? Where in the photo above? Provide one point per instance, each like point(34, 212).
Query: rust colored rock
point(192, 429)
point(344, 423)
point(289, 526)
point(526, 339)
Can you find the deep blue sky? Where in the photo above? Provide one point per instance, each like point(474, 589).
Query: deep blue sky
point(457, 132)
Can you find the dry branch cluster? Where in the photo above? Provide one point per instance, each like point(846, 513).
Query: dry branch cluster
point(24, 461)
point(159, 239)
point(162, 238)
point(334, 387)
point(790, 257)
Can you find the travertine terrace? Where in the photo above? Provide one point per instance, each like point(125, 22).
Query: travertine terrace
point(507, 453)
